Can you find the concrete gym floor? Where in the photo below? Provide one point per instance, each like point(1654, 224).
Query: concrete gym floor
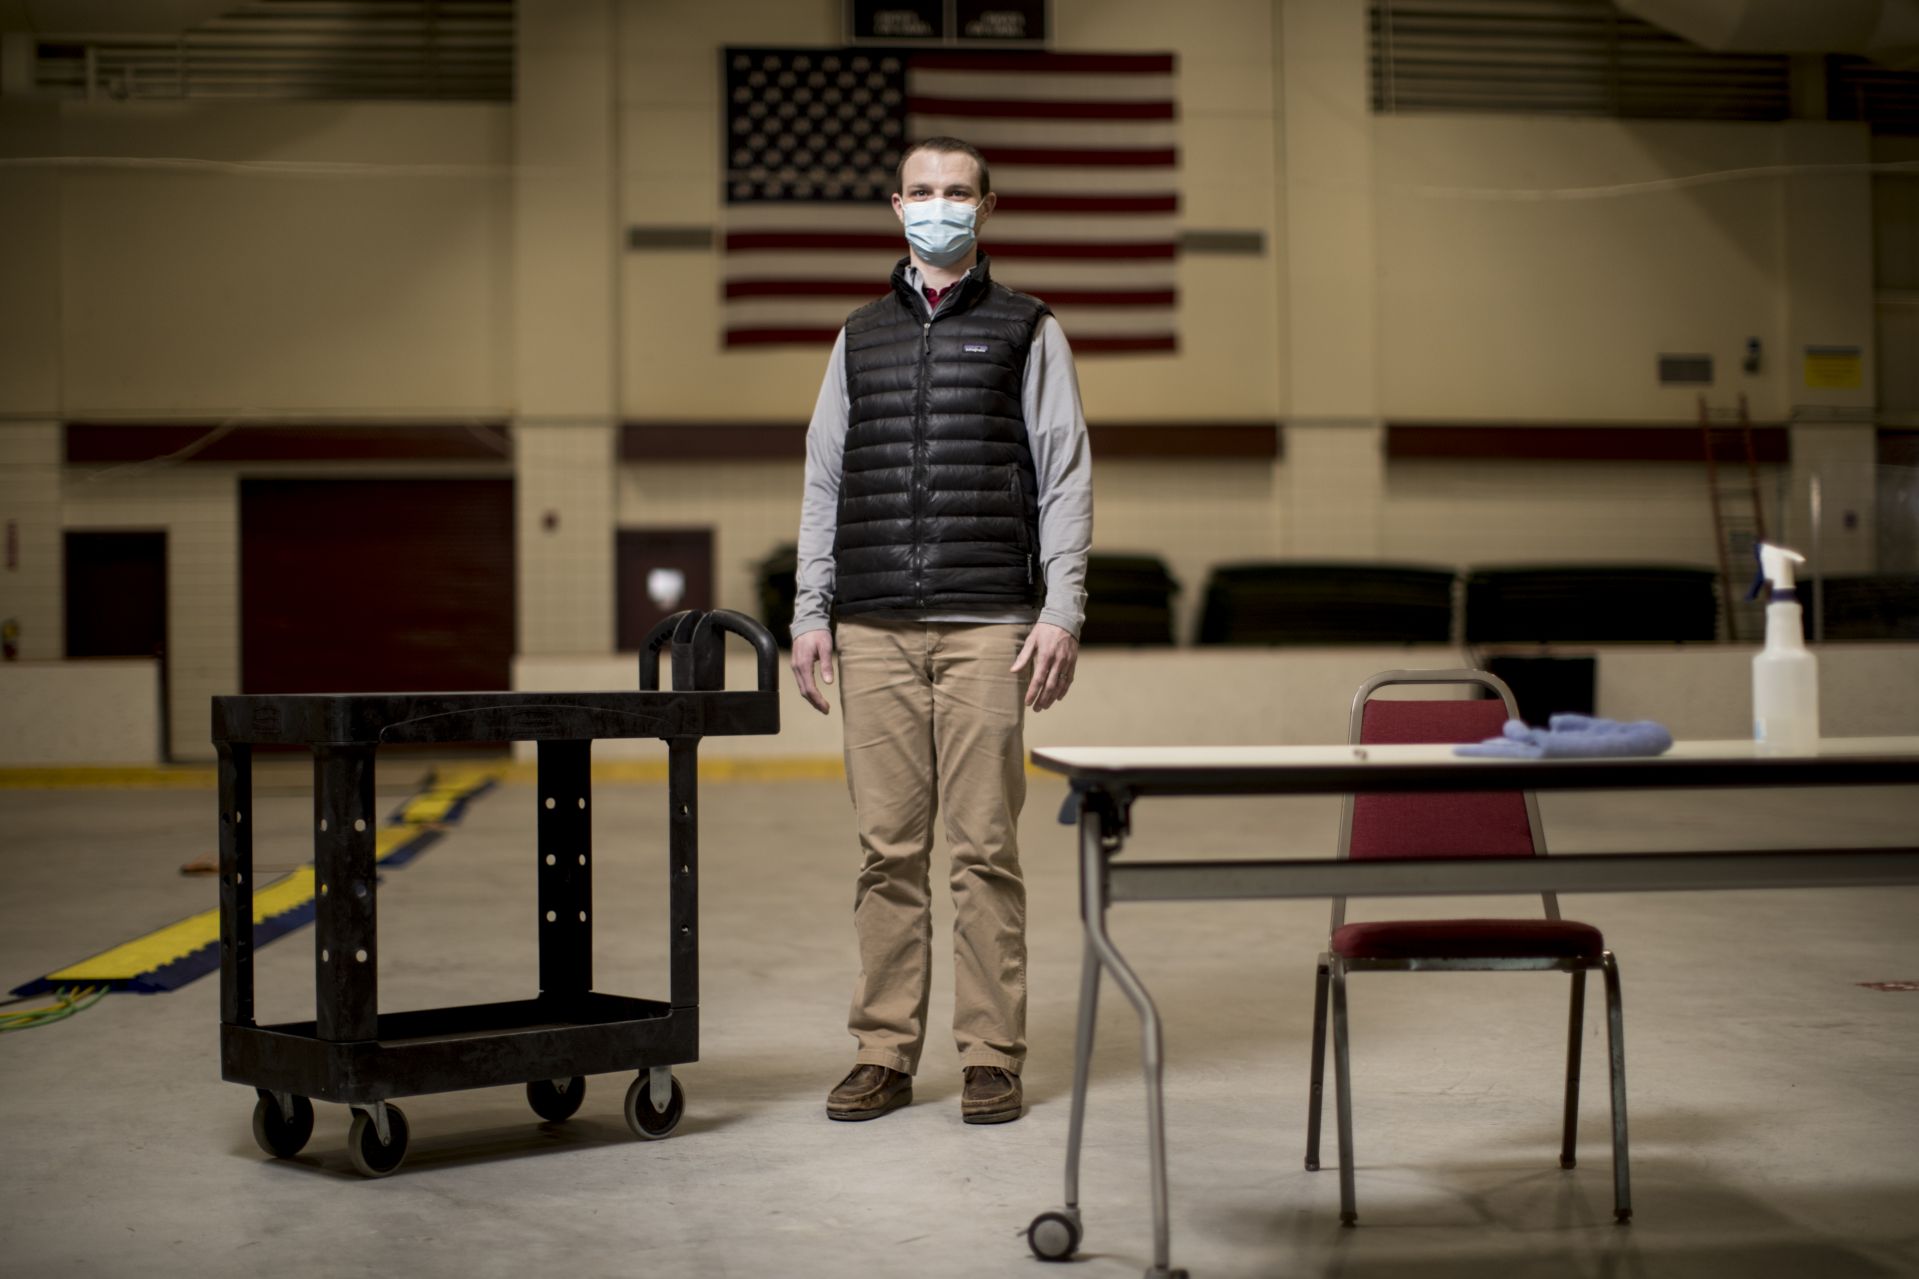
point(1774, 1102)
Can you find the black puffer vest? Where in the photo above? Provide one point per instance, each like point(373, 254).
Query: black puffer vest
point(939, 505)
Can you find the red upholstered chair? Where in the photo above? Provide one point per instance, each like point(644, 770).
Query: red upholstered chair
point(1495, 824)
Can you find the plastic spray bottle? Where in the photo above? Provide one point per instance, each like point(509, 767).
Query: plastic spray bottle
point(1785, 674)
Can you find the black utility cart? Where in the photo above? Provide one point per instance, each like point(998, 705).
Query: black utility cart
point(352, 1053)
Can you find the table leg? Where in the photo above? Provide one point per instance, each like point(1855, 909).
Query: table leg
point(1092, 875)
point(565, 848)
point(346, 1003)
point(236, 883)
point(683, 844)
point(1082, 1071)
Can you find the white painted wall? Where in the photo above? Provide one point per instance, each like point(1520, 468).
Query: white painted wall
point(31, 586)
point(1482, 513)
point(99, 711)
point(314, 258)
point(1532, 269)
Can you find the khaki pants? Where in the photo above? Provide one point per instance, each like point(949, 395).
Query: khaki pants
point(933, 728)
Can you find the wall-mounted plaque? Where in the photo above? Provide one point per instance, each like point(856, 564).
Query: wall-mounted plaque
point(1000, 21)
point(898, 21)
point(975, 22)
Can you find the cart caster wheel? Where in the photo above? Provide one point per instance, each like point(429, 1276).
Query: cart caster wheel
point(279, 1136)
point(1054, 1236)
point(556, 1100)
point(650, 1123)
point(364, 1147)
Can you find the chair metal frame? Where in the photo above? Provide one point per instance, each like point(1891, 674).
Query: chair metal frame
point(1333, 971)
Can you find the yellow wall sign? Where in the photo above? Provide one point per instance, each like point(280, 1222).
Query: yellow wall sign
point(1834, 368)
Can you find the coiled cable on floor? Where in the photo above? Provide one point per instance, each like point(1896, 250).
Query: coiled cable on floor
point(67, 1001)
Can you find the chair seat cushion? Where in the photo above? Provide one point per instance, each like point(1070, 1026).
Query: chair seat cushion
point(1468, 939)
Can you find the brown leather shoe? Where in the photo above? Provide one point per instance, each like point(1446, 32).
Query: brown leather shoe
point(868, 1093)
point(991, 1096)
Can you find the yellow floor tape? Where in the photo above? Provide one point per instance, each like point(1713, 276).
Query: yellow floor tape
point(169, 957)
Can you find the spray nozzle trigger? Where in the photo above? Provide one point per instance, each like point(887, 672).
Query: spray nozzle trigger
point(1775, 566)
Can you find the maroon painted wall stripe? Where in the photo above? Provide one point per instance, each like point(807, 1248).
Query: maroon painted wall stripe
point(111, 442)
point(1527, 442)
point(774, 337)
point(757, 442)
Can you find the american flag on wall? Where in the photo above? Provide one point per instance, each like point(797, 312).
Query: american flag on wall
point(1084, 155)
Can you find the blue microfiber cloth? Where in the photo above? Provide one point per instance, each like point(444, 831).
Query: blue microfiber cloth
point(1573, 737)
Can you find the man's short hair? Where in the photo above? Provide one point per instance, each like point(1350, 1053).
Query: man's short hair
point(947, 144)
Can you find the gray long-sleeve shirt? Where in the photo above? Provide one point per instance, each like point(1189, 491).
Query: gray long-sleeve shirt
point(1056, 432)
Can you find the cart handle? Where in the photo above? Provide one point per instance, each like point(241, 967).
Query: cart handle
point(656, 639)
point(750, 630)
point(696, 630)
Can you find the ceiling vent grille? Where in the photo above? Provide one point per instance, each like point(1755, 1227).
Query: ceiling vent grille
point(1560, 57)
point(444, 49)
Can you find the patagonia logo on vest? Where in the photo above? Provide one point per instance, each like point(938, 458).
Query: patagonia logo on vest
point(976, 348)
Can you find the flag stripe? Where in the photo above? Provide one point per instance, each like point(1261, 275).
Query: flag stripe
point(1109, 297)
point(1049, 63)
point(790, 241)
point(987, 134)
point(1083, 157)
point(1032, 275)
point(802, 289)
point(993, 84)
point(1017, 179)
point(865, 289)
point(1020, 202)
point(1011, 220)
point(1033, 109)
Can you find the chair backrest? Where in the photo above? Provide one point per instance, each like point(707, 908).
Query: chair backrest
point(1457, 824)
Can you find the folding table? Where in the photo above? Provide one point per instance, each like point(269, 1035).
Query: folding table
point(1106, 781)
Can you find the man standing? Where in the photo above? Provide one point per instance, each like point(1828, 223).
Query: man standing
point(946, 520)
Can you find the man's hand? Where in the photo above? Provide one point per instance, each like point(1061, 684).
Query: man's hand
point(1054, 653)
point(814, 649)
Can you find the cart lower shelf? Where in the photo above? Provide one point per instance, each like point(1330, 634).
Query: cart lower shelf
point(448, 1049)
point(548, 1045)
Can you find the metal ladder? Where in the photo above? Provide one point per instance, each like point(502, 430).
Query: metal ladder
point(1738, 514)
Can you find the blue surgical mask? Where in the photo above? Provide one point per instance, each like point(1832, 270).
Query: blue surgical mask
point(940, 231)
